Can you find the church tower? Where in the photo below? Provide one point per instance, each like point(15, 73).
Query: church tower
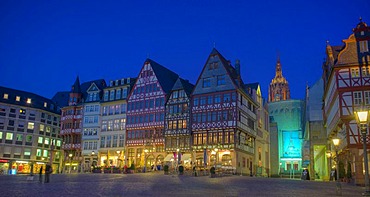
point(279, 87)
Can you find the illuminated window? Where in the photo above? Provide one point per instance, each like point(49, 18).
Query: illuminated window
point(17, 98)
point(6, 96)
point(9, 136)
point(47, 141)
point(46, 153)
point(40, 140)
point(38, 152)
point(58, 143)
point(31, 125)
point(27, 152)
point(42, 127)
point(45, 104)
point(19, 137)
point(365, 71)
point(1, 135)
point(28, 100)
point(355, 72)
point(22, 111)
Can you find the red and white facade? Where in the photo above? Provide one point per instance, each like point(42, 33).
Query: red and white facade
point(346, 75)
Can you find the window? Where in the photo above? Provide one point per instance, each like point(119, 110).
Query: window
point(9, 136)
point(124, 93)
point(221, 80)
point(40, 140)
point(106, 94)
point(19, 137)
point(38, 152)
point(206, 82)
point(226, 97)
point(202, 100)
point(196, 101)
point(28, 100)
point(367, 97)
point(22, 111)
point(365, 71)
point(6, 96)
point(118, 94)
point(45, 104)
point(363, 46)
point(355, 72)
point(357, 98)
point(31, 125)
point(175, 94)
point(1, 135)
point(17, 98)
point(217, 98)
point(46, 153)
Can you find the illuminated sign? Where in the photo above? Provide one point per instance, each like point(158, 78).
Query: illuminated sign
point(292, 147)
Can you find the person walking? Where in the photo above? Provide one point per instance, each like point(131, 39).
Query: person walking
point(40, 175)
point(48, 171)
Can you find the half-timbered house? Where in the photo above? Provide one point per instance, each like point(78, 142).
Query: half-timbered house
point(223, 117)
point(146, 113)
point(177, 128)
point(346, 75)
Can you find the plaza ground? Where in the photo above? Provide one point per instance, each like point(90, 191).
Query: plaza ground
point(157, 184)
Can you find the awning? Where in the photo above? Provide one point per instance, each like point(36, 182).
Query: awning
point(185, 157)
point(168, 157)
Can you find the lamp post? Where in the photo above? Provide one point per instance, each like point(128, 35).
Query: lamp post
point(177, 159)
point(70, 162)
point(339, 186)
point(362, 120)
point(145, 153)
point(118, 159)
point(328, 155)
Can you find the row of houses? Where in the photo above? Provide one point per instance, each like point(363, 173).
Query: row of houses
point(158, 118)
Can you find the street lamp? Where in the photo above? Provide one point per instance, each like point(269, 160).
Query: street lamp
point(362, 118)
point(145, 151)
point(118, 158)
point(339, 186)
point(70, 162)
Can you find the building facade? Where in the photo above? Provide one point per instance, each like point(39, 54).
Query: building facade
point(91, 125)
point(223, 118)
point(177, 134)
point(71, 126)
point(113, 123)
point(29, 132)
point(346, 76)
point(314, 148)
point(262, 154)
point(146, 115)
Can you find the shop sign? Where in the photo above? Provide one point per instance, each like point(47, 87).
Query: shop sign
point(4, 161)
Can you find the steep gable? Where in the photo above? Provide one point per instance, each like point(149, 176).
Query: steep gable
point(217, 75)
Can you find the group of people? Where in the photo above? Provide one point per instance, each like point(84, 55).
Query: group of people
point(48, 171)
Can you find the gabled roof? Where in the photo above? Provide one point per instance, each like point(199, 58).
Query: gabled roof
point(61, 98)
point(100, 83)
point(252, 85)
point(166, 77)
point(183, 84)
point(37, 101)
point(230, 69)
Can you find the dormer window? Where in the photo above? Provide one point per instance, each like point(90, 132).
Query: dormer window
point(28, 100)
point(6, 96)
point(18, 98)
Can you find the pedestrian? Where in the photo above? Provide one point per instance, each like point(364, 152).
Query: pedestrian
point(40, 175)
point(125, 169)
point(48, 171)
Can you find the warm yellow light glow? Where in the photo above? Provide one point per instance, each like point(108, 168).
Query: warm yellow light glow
point(177, 150)
point(118, 152)
point(216, 149)
point(362, 116)
point(336, 141)
point(93, 152)
point(146, 150)
point(70, 155)
point(328, 154)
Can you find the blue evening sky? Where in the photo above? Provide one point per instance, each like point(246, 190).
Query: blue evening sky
point(44, 45)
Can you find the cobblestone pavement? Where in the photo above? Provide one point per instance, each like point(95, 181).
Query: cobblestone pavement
point(158, 184)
